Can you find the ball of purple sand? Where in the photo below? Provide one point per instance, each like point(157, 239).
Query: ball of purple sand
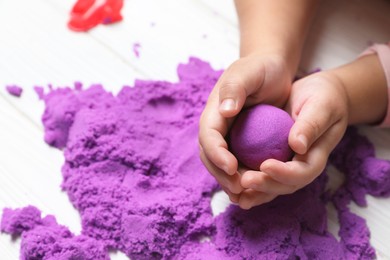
point(260, 133)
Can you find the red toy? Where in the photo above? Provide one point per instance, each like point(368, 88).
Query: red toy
point(86, 14)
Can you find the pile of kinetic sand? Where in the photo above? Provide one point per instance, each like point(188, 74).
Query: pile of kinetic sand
point(133, 172)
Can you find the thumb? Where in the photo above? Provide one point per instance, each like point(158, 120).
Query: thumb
point(313, 120)
point(232, 97)
point(236, 84)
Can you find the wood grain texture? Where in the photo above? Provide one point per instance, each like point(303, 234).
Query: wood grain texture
point(36, 48)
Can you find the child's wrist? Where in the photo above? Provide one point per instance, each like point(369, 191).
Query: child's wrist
point(337, 81)
point(365, 85)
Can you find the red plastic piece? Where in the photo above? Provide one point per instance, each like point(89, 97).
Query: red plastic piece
point(86, 15)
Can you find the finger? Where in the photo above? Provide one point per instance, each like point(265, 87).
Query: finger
point(260, 181)
point(230, 182)
point(303, 169)
point(232, 197)
point(296, 173)
point(250, 198)
point(215, 149)
point(239, 81)
point(311, 123)
point(212, 129)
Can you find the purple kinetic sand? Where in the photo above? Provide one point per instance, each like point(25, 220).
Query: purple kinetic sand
point(14, 90)
point(260, 133)
point(136, 48)
point(132, 170)
point(45, 239)
point(39, 91)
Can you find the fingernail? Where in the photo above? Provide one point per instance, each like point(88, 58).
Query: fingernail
point(233, 201)
point(225, 168)
point(303, 140)
point(227, 104)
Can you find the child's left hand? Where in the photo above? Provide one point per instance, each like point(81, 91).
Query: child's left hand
point(318, 104)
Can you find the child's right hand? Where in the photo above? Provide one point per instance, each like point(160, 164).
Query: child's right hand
point(250, 80)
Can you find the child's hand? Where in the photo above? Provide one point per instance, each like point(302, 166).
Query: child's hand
point(318, 104)
point(248, 81)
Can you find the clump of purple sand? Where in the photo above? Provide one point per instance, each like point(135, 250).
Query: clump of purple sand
point(43, 238)
point(14, 90)
point(260, 133)
point(133, 172)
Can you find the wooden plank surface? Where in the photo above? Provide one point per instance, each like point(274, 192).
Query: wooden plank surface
point(36, 48)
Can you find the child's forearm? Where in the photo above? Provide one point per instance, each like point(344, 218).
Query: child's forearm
point(366, 86)
point(274, 27)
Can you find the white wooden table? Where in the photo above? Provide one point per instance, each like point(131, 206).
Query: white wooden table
point(36, 48)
